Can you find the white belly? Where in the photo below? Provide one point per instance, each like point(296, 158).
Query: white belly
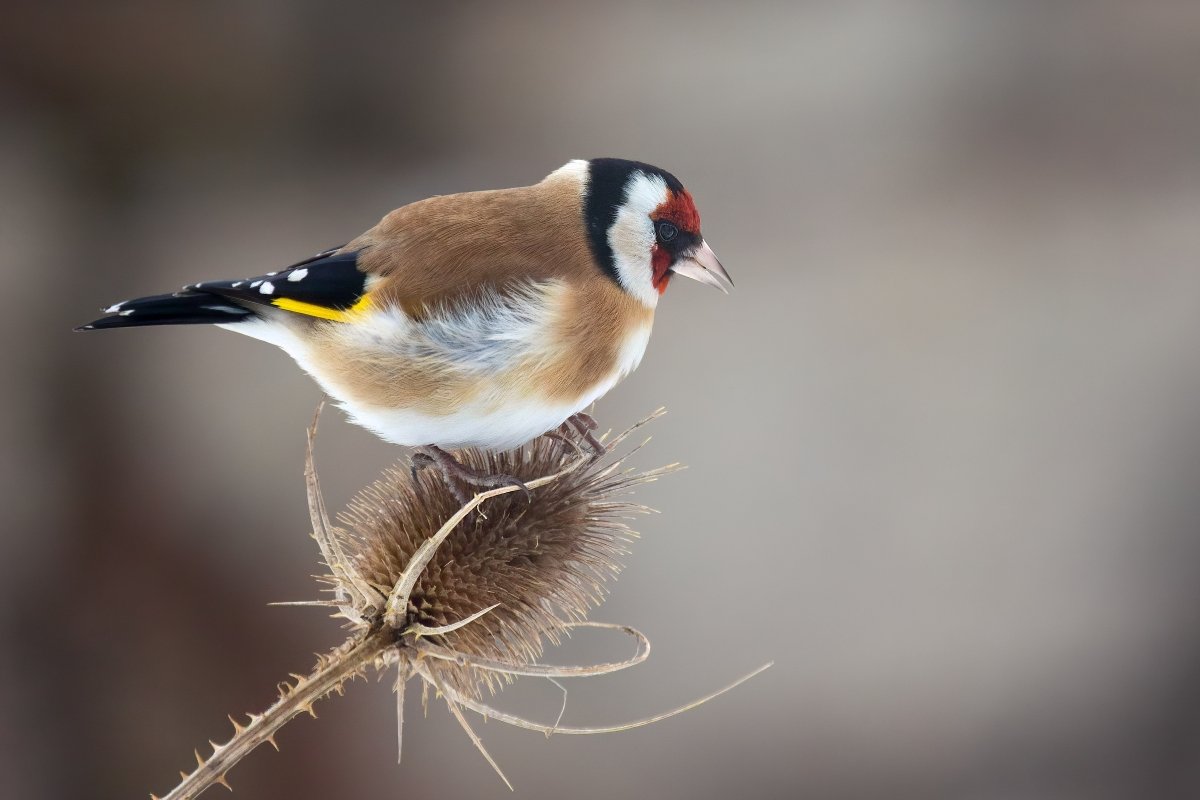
point(495, 422)
point(500, 428)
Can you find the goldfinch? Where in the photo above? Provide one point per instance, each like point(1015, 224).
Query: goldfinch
point(482, 319)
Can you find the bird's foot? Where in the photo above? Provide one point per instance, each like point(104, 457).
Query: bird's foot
point(420, 461)
point(563, 436)
point(455, 474)
point(587, 420)
point(584, 424)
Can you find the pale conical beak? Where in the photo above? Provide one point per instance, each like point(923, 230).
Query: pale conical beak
point(704, 266)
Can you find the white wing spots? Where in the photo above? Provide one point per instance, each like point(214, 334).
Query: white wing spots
point(267, 288)
point(255, 284)
point(115, 307)
point(236, 284)
point(298, 274)
point(126, 312)
point(632, 236)
point(272, 274)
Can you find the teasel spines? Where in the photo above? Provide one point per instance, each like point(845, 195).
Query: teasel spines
point(461, 597)
point(540, 560)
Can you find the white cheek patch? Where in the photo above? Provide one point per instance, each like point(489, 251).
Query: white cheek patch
point(632, 236)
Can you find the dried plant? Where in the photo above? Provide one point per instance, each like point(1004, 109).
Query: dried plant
point(462, 598)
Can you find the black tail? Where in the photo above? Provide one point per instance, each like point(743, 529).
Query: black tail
point(181, 308)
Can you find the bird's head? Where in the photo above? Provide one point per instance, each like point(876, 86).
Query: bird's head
point(643, 227)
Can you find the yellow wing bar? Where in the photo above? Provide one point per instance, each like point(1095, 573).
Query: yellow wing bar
point(323, 312)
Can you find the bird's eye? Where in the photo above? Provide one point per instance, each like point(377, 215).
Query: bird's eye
point(667, 231)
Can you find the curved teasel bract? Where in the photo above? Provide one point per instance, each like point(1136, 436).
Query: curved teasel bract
point(463, 598)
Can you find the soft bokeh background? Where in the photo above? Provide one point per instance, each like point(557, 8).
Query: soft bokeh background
point(944, 438)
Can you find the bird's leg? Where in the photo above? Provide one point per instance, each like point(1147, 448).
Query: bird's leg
point(585, 425)
point(422, 461)
point(563, 435)
point(419, 462)
point(453, 470)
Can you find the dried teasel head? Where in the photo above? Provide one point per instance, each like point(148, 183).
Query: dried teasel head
point(537, 562)
point(463, 598)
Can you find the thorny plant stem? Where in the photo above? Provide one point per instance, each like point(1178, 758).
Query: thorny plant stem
point(342, 664)
point(349, 660)
point(385, 635)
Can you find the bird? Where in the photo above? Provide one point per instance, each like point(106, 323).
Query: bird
point(480, 319)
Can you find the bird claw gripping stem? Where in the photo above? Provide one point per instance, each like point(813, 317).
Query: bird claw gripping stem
point(455, 473)
point(585, 424)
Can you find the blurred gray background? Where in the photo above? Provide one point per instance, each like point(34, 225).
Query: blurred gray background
point(943, 439)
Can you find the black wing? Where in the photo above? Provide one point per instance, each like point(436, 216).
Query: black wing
point(327, 286)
